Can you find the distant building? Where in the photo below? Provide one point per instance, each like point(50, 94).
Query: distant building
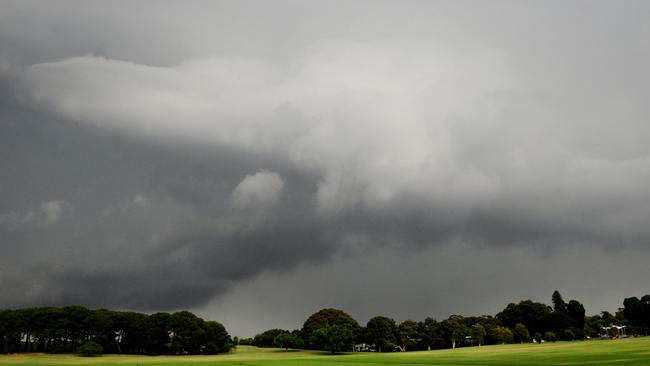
point(364, 347)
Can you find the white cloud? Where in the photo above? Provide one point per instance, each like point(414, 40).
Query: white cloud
point(54, 211)
point(259, 190)
point(371, 118)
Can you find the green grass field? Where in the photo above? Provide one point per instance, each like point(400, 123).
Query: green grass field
point(621, 352)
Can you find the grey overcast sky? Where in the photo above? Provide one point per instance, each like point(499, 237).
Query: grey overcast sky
point(255, 161)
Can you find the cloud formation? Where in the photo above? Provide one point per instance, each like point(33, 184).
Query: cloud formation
point(175, 168)
point(260, 189)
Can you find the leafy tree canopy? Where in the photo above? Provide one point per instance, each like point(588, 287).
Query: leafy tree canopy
point(381, 331)
point(334, 338)
point(325, 317)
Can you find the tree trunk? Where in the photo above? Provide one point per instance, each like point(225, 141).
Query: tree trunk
point(453, 344)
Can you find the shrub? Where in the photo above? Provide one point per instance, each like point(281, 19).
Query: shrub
point(550, 336)
point(502, 335)
point(520, 333)
point(90, 349)
point(288, 340)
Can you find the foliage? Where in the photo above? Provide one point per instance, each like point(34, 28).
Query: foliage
point(58, 330)
point(559, 306)
point(334, 338)
point(430, 332)
point(520, 333)
point(407, 335)
point(90, 349)
point(478, 333)
point(637, 312)
point(381, 332)
point(325, 317)
point(288, 340)
point(267, 338)
point(51, 329)
point(245, 342)
point(216, 338)
point(576, 312)
point(533, 315)
point(455, 329)
point(549, 336)
point(502, 335)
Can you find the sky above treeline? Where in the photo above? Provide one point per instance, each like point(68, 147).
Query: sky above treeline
point(255, 161)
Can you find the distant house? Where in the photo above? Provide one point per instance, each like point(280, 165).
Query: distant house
point(613, 331)
point(469, 340)
point(364, 347)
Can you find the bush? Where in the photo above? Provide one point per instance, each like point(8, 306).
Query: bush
point(245, 341)
point(549, 336)
point(502, 335)
point(288, 340)
point(568, 335)
point(520, 333)
point(210, 349)
point(90, 349)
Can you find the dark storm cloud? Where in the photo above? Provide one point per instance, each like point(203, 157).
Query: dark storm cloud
point(141, 225)
point(159, 157)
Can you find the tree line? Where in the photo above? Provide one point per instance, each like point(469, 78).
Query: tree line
point(526, 321)
point(78, 329)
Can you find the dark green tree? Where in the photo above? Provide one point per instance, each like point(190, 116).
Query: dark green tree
point(558, 322)
point(549, 337)
point(90, 349)
point(502, 335)
point(334, 338)
point(559, 305)
point(3, 329)
point(520, 333)
point(188, 334)
point(593, 325)
point(381, 332)
point(608, 318)
point(288, 340)
point(267, 338)
point(576, 312)
point(245, 341)
point(455, 329)
point(156, 334)
point(216, 338)
point(74, 321)
point(325, 317)
point(51, 329)
point(407, 334)
point(430, 332)
point(535, 316)
point(478, 333)
point(637, 312)
point(100, 327)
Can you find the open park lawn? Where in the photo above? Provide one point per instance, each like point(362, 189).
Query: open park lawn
point(634, 351)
